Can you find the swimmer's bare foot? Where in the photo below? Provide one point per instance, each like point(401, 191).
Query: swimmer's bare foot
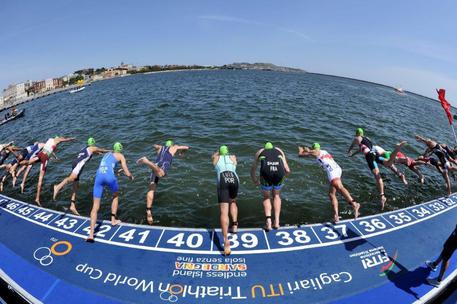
point(276, 225)
point(90, 239)
point(383, 201)
point(149, 218)
point(22, 188)
point(73, 208)
point(422, 180)
point(267, 226)
point(14, 181)
point(234, 227)
point(1, 187)
point(356, 210)
point(336, 218)
point(227, 250)
point(38, 203)
point(114, 220)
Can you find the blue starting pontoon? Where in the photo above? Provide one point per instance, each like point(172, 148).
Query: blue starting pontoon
point(375, 259)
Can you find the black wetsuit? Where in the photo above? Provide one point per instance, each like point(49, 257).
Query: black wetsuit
point(272, 170)
point(4, 155)
point(371, 157)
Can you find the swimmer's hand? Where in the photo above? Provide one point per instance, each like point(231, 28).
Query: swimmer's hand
point(131, 177)
point(256, 182)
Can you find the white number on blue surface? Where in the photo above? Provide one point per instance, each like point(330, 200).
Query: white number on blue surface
point(194, 240)
point(372, 225)
point(248, 240)
point(25, 210)
point(400, 218)
point(437, 206)
point(449, 201)
point(421, 212)
point(144, 235)
point(42, 216)
point(300, 237)
point(332, 235)
point(63, 223)
point(12, 206)
point(128, 235)
point(99, 232)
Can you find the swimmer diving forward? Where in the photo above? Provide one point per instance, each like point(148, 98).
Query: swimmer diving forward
point(105, 177)
point(77, 168)
point(372, 158)
point(159, 169)
point(334, 172)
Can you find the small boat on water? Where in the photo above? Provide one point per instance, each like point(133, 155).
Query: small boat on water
point(400, 90)
point(77, 90)
point(13, 117)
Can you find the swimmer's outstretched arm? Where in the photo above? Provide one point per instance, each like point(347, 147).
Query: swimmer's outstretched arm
point(124, 167)
point(286, 165)
point(304, 151)
point(101, 150)
point(354, 143)
point(64, 139)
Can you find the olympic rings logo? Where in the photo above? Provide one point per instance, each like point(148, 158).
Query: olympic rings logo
point(44, 255)
point(168, 296)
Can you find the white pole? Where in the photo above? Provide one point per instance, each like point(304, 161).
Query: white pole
point(453, 130)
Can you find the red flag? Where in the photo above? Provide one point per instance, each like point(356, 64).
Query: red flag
point(445, 104)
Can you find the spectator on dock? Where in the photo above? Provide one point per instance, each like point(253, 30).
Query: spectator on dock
point(448, 250)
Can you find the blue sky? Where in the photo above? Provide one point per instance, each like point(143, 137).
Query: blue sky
point(412, 44)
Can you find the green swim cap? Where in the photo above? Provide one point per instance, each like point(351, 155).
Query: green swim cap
point(316, 146)
point(387, 154)
point(223, 150)
point(56, 136)
point(169, 143)
point(268, 145)
point(359, 132)
point(117, 147)
point(91, 141)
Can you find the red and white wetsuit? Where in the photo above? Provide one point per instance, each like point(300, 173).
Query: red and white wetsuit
point(326, 161)
point(45, 153)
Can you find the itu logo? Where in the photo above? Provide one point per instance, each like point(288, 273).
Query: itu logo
point(387, 268)
point(168, 296)
point(45, 255)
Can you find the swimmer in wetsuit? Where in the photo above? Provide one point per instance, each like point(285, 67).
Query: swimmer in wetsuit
point(159, 169)
point(383, 158)
point(445, 162)
point(43, 156)
point(273, 169)
point(105, 177)
point(366, 147)
point(334, 172)
point(77, 168)
point(10, 168)
point(227, 191)
point(25, 166)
